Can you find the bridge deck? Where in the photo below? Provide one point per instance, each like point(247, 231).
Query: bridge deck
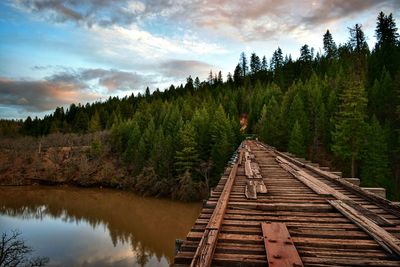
point(322, 232)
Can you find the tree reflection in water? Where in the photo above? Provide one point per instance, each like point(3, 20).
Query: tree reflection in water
point(149, 225)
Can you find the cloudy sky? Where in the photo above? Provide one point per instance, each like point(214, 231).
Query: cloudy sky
point(54, 52)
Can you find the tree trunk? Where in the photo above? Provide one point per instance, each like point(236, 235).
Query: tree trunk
point(353, 166)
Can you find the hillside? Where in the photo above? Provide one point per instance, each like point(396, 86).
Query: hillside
point(340, 107)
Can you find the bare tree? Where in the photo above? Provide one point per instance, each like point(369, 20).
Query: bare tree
point(204, 169)
point(15, 253)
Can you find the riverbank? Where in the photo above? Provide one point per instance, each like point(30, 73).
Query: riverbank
point(84, 161)
point(80, 164)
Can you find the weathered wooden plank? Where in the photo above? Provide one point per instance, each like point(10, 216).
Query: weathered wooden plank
point(241, 155)
point(379, 220)
point(324, 189)
point(260, 186)
point(356, 261)
point(205, 250)
point(223, 259)
point(247, 168)
point(312, 182)
point(381, 236)
point(322, 185)
point(321, 234)
point(281, 206)
point(355, 181)
point(279, 246)
point(334, 177)
point(379, 191)
point(250, 190)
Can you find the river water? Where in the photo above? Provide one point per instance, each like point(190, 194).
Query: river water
point(96, 227)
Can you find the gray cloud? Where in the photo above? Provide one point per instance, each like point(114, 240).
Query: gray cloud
point(66, 87)
point(330, 10)
point(36, 96)
point(260, 19)
point(181, 69)
point(89, 12)
point(253, 20)
point(115, 80)
point(73, 86)
point(112, 80)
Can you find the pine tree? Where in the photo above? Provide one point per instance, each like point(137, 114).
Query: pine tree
point(264, 64)
point(386, 30)
point(255, 64)
point(375, 162)
point(81, 122)
point(197, 83)
point(383, 98)
point(130, 143)
point(269, 124)
point(237, 74)
point(305, 54)
point(201, 123)
point(222, 140)
point(187, 157)
point(147, 92)
point(160, 150)
point(210, 78)
point(317, 113)
point(94, 124)
point(357, 39)
point(229, 78)
point(296, 142)
point(189, 83)
point(142, 155)
point(349, 127)
point(243, 64)
point(276, 60)
point(329, 46)
point(219, 79)
point(297, 112)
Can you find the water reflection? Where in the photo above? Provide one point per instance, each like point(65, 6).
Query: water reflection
point(96, 227)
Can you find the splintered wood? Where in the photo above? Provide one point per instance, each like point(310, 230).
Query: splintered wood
point(382, 237)
point(255, 183)
point(364, 218)
point(309, 217)
point(279, 246)
point(205, 250)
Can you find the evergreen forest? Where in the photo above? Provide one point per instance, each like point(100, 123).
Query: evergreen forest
point(339, 107)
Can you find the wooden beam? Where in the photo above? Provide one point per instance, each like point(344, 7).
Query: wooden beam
point(379, 220)
point(205, 250)
point(379, 191)
point(354, 181)
point(381, 236)
point(312, 182)
point(279, 246)
point(334, 177)
point(323, 189)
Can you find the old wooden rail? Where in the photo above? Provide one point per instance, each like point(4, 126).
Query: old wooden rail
point(271, 209)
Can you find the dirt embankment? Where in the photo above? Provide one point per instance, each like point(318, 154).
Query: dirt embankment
point(87, 163)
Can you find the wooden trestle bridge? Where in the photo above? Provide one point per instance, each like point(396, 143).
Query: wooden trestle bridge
point(271, 209)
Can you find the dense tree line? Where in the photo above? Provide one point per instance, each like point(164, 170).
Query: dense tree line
point(340, 107)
